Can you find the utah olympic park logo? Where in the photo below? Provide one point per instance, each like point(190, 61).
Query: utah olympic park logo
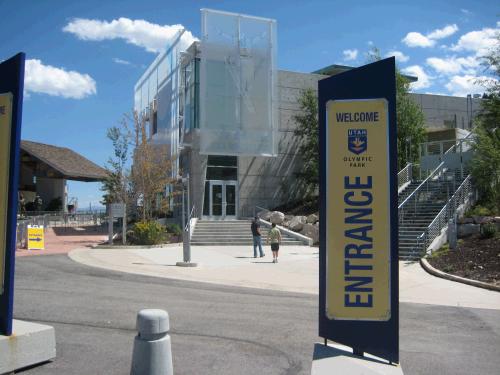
point(357, 140)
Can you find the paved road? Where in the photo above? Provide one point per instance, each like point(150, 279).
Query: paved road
point(224, 330)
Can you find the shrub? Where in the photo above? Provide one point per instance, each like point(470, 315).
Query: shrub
point(488, 230)
point(174, 229)
point(148, 233)
point(478, 211)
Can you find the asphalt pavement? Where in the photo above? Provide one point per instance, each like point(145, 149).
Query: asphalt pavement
point(218, 329)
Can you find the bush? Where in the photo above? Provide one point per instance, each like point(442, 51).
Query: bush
point(478, 211)
point(488, 230)
point(148, 233)
point(174, 229)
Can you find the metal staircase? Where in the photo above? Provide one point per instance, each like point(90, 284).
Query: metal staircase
point(426, 205)
point(231, 233)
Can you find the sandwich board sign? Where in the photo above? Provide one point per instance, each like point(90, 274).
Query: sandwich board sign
point(358, 299)
point(36, 238)
point(11, 99)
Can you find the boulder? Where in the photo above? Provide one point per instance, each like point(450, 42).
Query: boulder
point(311, 231)
point(466, 220)
point(483, 219)
point(497, 219)
point(288, 217)
point(297, 223)
point(464, 230)
point(277, 217)
point(311, 219)
point(264, 215)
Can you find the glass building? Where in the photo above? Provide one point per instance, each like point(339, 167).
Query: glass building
point(227, 116)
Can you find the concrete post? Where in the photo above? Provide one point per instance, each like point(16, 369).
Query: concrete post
point(152, 353)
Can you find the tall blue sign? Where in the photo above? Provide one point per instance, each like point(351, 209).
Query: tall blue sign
point(358, 289)
point(11, 102)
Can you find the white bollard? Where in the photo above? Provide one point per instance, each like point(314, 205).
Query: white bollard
point(152, 354)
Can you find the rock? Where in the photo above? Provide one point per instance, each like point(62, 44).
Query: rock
point(497, 219)
point(466, 220)
point(264, 215)
point(297, 223)
point(311, 231)
point(483, 219)
point(311, 219)
point(465, 230)
point(486, 219)
point(277, 217)
point(288, 217)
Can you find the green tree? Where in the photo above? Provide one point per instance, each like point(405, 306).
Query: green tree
point(308, 131)
point(411, 130)
point(116, 185)
point(485, 164)
point(410, 118)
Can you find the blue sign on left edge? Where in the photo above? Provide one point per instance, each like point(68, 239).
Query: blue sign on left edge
point(11, 105)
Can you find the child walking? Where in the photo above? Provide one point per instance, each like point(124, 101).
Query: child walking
point(274, 236)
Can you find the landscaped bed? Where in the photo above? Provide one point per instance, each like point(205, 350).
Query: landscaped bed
point(474, 258)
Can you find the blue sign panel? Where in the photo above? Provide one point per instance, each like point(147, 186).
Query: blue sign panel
point(357, 140)
point(358, 277)
point(11, 97)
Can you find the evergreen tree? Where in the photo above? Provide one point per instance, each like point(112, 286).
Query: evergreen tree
point(485, 165)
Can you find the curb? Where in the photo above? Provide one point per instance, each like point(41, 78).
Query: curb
point(433, 271)
point(122, 247)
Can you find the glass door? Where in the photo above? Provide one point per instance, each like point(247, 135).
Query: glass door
point(230, 199)
point(223, 200)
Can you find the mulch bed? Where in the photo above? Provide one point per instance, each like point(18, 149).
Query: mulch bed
point(474, 258)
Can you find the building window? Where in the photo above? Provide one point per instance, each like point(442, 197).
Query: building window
point(222, 167)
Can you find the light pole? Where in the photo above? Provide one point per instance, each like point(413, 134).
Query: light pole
point(186, 226)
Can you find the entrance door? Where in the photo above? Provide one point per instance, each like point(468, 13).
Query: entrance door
point(223, 200)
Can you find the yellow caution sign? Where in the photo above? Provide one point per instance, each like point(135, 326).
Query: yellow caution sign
point(358, 220)
point(36, 239)
point(5, 125)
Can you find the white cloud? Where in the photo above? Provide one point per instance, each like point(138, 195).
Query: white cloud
point(454, 65)
point(350, 54)
point(400, 56)
point(466, 11)
point(121, 62)
point(47, 79)
point(479, 41)
point(445, 32)
point(150, 36)
point(424, 80)
point(465, 84)
point(416, 39)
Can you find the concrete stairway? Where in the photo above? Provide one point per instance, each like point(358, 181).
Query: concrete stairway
point(434, 197)
point(231, 233)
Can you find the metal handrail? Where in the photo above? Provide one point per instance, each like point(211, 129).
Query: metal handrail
point(444, 211)
point(458, 142)
point(405, 174)
point(258, 209)
point(419, 186)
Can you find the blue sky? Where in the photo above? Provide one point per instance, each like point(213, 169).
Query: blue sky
point(84, 57)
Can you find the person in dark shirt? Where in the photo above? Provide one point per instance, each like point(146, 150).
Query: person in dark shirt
point(257, 241)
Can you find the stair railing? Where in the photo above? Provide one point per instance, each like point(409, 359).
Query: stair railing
point(421, 193)
point(463, 195)
point(257, 210)
point(405, 176)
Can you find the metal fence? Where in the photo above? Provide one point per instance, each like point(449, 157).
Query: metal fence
point(421, 194)
point(56, 219)
point(405, 175)
point(463, 195)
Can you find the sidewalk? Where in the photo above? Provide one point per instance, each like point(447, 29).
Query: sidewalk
point(297, 271)
point(61, 240)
